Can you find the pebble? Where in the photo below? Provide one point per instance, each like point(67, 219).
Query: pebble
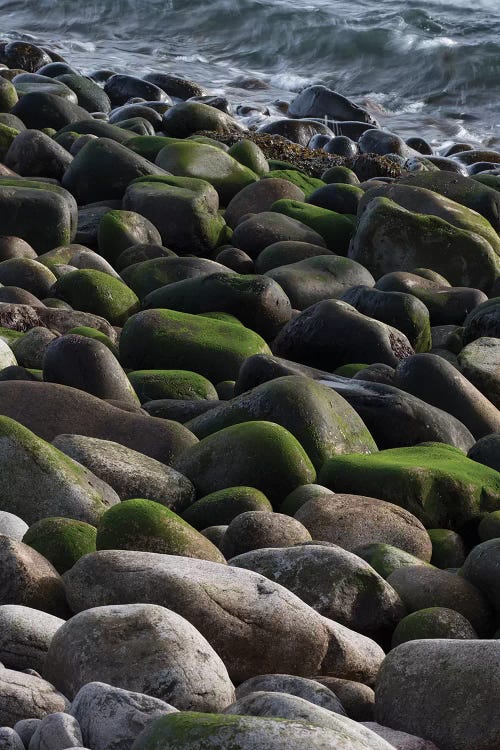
point(249, 420)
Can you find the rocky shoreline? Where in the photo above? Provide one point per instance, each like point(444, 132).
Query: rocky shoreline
point(249, 422)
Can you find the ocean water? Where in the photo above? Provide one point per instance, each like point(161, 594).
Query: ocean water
point(429, 68)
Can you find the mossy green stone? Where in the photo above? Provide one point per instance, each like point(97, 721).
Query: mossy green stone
point(340, 175)
point(7, 135)
point(93, 333)
point(62, 541)
point(9, 336)
point(150, 527)
point(224, 316)
point(385, 559)
point(99, 293)
point(347, 371)
point(336, 229)
point(489, 528)
point(275, 164)
point(219, 508)
point(433, 622)
point(250, 155)
point(56, 257)
point(303, 181)
point(191, 159)
point(257, 454)
point(119, 230)
point(100, 128)
point(208, 141)
point(165, 339)
point(8, 95)
point(179, 384)
point(448, 549)
point(300, 496)
point(434, 481)
point(149, 146)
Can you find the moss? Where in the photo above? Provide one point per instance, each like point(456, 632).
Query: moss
point(303, 181)
point(7, 135)
point(336, 229)
point(145, 525)
point(434, 481)
point(99, 293)
point(347, 371)
point(224, 316)
point(150, 385)
point(340, 175)
point(165, 339)
point(187, 727)
point(258, 454)
point(191, 159)
point(448, 549)
point(385, 559)
point(93, 333)
point(220, 508)
point(9, 336)
point(62, 541)
point(250, 155)
point(8, 95)
point(433, 622)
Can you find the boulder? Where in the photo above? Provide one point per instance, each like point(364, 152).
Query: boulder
point(62, 541)
point(254, 624)
point(23, 695)
point(166, 657)
point(254, 530)
point(433, 622)
point(110, 718)
point(56, 731)
point(25, 636)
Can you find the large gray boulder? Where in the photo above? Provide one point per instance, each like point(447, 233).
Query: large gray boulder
point(131, 474)
point(140, 647)
point(254, 624)
point(12, 526)
point(26, 696)
point(309, 690)
point(351, 521)
point(10, 740)
point(28, 579)
point(111, 718)
point(25, 636)
point(335, 582)
point(56, 732)
point(445, 691)
point(189, 731)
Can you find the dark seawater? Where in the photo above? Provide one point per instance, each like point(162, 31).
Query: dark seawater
point(431, 68)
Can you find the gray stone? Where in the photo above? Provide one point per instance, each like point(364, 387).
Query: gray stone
point(357, 699)
point(256, 530)
point(29, 579)
point(12, 526)
point(309, 690)
point(111, 718)
point(445, 691)
point(25, 636)
point(254, 624)
point(335, 582)
point(26, 728)
point(56, 732)
point(129, 473)
point(7, 356)
point(352, 521)
point(400, 740)
point(140, 647)
point(30, 349)
point(26, 696)
point(10, 740)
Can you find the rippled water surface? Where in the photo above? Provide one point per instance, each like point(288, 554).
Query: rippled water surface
point(433, 68)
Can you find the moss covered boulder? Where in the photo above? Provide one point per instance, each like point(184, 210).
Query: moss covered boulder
point(187, 118)
point(144, 525)
point(40, 481)
point(250, 155)
point(147, 276)
point(119, 230)
point(93, 333)
point(178, 384)
point(99, 293)
point(62, 541)
point(434, 481)
point(221, 507)
point(103, 169)
point(196, 731)
point(191, 159)
point(335, 228)
point(390, 238)
point(258, 302)
point(260, 454)
point(448, 548)
point(480, 363)
point(302, 180)
point(164, 339)
point(320, 419)
point(183, 209)
point(433, 622)
point(385, 559)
